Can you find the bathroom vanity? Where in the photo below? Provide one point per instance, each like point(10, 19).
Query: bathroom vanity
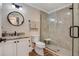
point(14, 43)
point(15, 46)
point(16, 30)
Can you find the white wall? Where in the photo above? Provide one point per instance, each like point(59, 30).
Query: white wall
point(28, 13)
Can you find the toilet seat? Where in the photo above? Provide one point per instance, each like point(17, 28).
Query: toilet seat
point(39, 51)
point(39, 48)
point(40, 44)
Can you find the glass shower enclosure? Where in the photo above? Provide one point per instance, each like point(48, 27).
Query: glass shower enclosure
point(63, 31)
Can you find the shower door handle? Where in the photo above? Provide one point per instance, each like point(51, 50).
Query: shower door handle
point(74, 31)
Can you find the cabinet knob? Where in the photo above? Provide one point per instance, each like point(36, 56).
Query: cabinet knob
point(29, 45)
point(17, 41)
point(14, 41)
point(29, 41)
point(4, 40)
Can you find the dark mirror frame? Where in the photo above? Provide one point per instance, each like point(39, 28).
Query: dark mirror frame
point(10, 21)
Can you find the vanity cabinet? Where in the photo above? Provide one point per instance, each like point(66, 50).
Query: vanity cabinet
point(9, 48)
point(19, 47)
point(1, 48)
point(22, 47)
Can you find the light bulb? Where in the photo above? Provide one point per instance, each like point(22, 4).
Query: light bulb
point(68, 13)
point(60, 22)
point(52, 20)
point(20, 8)
point(13, 6)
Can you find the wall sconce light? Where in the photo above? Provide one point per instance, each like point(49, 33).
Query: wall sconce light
point(16, 6)
point(13, 6)
point(20, 8)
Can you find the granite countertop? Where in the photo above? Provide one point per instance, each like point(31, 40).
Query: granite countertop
point(14, 38)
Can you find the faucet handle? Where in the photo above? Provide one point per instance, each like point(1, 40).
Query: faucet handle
point(0, 39)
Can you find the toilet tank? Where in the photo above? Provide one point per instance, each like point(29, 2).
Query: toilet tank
point(35, 38)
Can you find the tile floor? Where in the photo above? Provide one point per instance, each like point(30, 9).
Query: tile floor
point(46, 53)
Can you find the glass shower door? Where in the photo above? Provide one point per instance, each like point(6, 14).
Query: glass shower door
point(75, 36)
point(59, 39)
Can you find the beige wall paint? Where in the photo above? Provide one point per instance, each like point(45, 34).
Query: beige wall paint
point(28, 12)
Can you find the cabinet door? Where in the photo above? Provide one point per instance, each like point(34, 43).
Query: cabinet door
point(9, 48)
point(22, 47)
point(1, 48)
point(0, 28)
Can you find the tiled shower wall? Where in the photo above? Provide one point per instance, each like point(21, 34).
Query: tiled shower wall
point(57, 31)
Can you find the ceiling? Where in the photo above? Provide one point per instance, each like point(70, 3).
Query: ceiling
point(49, 7)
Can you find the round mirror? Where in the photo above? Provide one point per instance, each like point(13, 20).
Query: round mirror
point(15, 18)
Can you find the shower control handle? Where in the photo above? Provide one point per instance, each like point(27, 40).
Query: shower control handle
point(72, 28)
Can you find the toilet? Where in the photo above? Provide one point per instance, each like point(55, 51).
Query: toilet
point(39, 46)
